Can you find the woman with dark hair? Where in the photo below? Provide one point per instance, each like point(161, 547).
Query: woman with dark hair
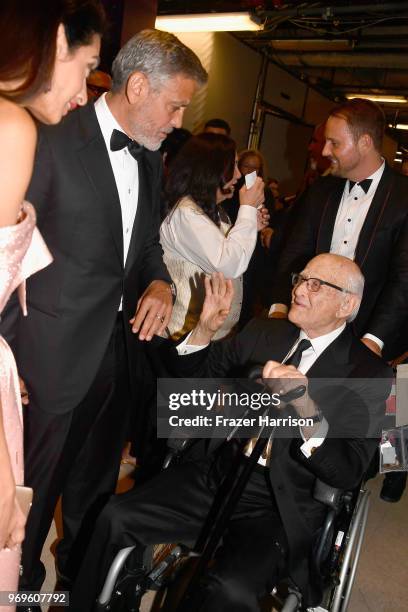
point(47, 50)
point(197, 237)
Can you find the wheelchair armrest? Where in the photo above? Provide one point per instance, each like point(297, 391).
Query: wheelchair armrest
point(330, 496)
point(335, 499)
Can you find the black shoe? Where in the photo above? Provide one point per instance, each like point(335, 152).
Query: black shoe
point(393, 486)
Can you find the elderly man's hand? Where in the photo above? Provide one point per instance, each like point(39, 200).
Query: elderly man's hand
point(218, 298)
point(283, 378)
point(153, 310)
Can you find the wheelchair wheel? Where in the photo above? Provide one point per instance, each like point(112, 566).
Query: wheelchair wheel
point(339, 598)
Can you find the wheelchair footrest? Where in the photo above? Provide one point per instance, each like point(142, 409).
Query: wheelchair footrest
point(155, 578)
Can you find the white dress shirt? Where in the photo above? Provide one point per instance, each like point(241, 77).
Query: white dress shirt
point(352, 212)
point(319, 344)
point(309, 356)
point(125, 170)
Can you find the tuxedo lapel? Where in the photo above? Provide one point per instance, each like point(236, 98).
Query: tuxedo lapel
point(328, 218)
point(334, 362)
point(95, 160)
point(374, 216)
point(143, 205)
point(278, 342)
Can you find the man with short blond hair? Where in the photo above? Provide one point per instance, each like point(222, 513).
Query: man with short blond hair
point(361, 212)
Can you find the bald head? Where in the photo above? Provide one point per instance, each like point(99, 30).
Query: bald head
point(319, 308)
point(344, 270)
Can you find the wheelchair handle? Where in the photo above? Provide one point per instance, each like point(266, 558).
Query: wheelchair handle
point(294, 394)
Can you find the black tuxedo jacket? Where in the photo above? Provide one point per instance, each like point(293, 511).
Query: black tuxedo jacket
point(382, 252)
point(73, 303)
point(340, 462)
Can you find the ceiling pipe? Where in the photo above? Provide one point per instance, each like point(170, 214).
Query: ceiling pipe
point(340, 60)
point(326, 12)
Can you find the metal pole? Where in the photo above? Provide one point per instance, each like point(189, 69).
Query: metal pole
point(331, 11)
point(256, 117)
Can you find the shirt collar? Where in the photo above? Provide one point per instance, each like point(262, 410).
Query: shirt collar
point(106, 120)
point(375, 177)
point(320, 343)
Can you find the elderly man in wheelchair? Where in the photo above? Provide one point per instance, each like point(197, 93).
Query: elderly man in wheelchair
point(274, 525)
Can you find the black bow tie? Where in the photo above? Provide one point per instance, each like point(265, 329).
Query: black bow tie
point(365, 184)
point(119, 141)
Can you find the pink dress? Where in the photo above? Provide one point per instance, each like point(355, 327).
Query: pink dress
point(22, 252)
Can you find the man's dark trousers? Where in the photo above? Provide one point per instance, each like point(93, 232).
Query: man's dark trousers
point(75, 462)
point(247, 564)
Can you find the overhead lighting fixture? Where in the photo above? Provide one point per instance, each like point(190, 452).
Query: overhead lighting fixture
point(399, 126)
point(207, 22)
point(379, 98)
point(398, 160)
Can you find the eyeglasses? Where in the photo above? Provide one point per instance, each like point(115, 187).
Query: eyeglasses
point(314, 284)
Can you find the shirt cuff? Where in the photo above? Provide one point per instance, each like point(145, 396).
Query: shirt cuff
point(375, 339)
point(278, 308)
point(187, 349)
point(246, 212)
point(316, 440)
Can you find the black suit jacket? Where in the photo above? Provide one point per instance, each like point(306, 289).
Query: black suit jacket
point(73, 303)
point(381, 253)
point(340, 462)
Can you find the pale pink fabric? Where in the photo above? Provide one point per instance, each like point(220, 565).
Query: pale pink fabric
point(22, 252)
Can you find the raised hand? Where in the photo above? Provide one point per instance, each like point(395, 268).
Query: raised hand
point(218, 298)
point(254, 196)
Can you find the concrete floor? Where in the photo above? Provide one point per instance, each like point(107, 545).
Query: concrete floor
point(382, 579)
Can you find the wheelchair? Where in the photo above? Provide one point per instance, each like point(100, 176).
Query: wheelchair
point(335, 558)
point(334, 561)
